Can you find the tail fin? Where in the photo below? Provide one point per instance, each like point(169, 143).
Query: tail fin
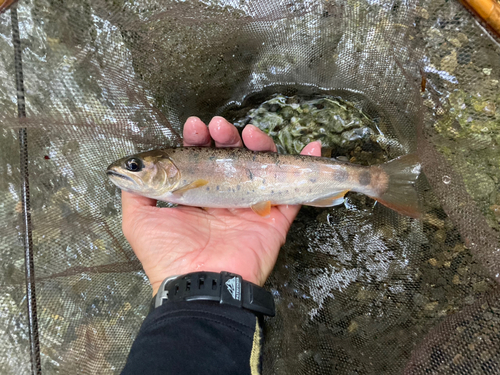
point(401, 195)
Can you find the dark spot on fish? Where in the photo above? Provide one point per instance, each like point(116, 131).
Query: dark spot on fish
point(238, 187)
point(250, 174)
point(313, 180)
point(341, 175)
point(208, 188)
point(365, 178)
point(184, 182)
point(211, 158)
point(217, 187)
point(264, 181)
point(272, 191)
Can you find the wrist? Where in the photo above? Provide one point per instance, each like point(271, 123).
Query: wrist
point(156, 280)
point(226, 288)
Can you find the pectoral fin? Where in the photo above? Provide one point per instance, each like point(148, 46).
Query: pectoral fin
point(192, 185)
point(262, 208)
point(334, 200)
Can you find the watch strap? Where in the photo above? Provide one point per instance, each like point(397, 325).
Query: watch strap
point(224, 287)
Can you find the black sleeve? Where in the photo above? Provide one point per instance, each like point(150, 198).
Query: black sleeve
point(197, 338)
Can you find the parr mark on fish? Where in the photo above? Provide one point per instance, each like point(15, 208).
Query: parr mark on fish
point(341, 175)
point(365, 178)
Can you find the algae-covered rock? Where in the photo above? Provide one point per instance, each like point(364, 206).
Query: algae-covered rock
point(341, 127)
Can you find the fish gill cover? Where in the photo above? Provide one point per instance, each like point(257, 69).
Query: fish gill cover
point(358, 288)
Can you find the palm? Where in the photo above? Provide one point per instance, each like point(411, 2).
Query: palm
point(174, 241)
point(212, 240)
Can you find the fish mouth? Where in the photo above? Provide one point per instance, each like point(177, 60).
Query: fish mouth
point(116, 174)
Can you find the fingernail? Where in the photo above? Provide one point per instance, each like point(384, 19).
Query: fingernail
point(253, 128)
point(315, 147)
point(216, 122)
point(192, 119)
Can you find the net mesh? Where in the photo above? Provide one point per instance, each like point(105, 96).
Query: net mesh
point(359, 289)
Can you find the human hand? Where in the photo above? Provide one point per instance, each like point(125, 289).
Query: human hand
point(179, 240)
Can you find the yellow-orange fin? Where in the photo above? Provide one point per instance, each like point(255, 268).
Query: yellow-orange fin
point(192, 185)
point(262, 208)
point(333, 200)
point(400, 194)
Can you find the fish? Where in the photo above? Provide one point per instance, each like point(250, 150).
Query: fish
point(241, 178)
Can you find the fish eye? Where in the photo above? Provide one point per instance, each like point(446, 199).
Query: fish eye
point(133, 165)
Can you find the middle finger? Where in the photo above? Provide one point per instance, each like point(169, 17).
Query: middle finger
point(224, 133)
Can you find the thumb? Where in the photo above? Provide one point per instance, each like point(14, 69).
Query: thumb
point(131, 202)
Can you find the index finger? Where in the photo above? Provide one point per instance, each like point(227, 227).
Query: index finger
point(224, 133)
point(195, 133)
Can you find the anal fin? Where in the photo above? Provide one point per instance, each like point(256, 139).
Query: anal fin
point(192, 185)
point(262, 208)
point(333, 200)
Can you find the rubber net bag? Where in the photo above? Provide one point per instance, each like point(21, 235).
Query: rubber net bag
point(359, 289)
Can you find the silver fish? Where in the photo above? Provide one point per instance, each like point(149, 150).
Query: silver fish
point(237, 177)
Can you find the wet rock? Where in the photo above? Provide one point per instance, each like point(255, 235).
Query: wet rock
point(464, 55)
point(356, 134)
point(496, 210)
point(483, 186)
point(433, 262)
point(480, 286)
point(462, 38)
point(449, 63)
point(353, 327)
point(420, 300)
point(457, 43)
point(440, 236)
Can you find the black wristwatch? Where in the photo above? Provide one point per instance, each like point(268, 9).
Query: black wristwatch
point(225, 287)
